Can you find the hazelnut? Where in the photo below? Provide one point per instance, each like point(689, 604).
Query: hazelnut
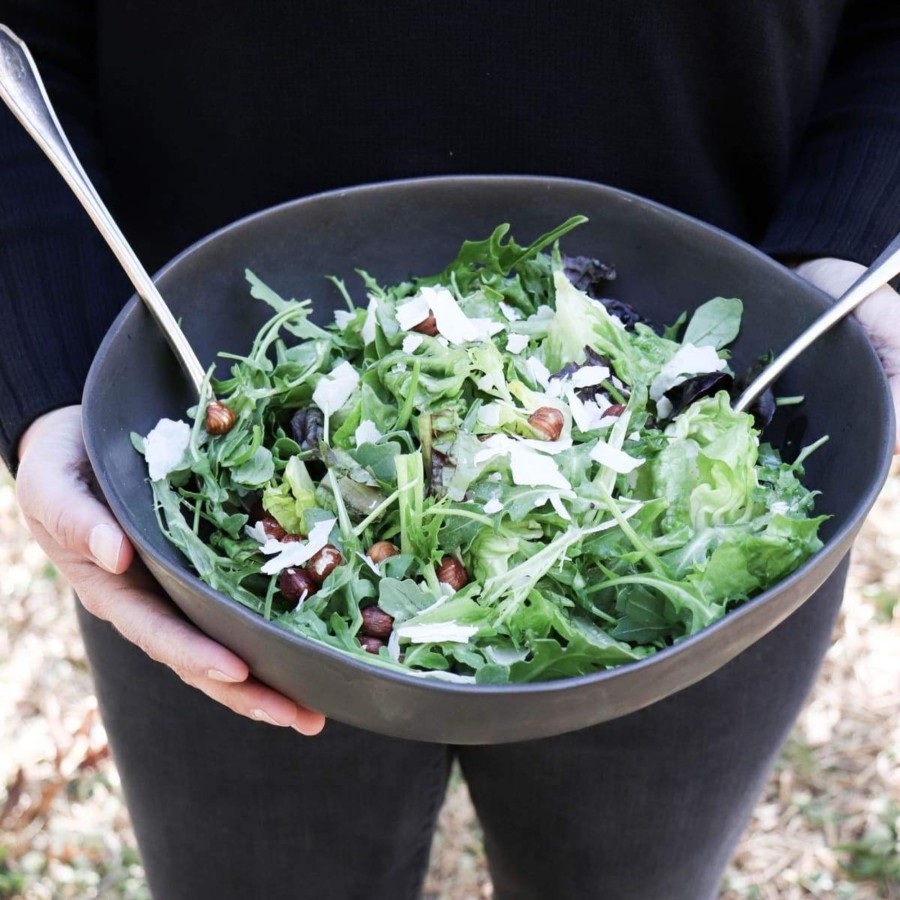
point(427, 326)
point(370, 644)
point(451, 572)
point(323, 563)
point(381, 550)
point(219, 418)
point(547, 422)
point(376, 622)
point(295, 584)
point(291, 538)
point(615, 410)
point(272, 528)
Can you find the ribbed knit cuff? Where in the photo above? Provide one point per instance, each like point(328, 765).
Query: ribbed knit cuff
point(844, 198)
point(60, 288)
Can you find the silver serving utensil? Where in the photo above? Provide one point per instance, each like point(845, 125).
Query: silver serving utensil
point(22, 89)
point(886, 267)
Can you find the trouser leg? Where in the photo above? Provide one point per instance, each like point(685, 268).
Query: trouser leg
point(228, 808)
point(649, 806)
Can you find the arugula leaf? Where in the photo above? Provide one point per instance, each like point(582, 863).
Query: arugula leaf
point(402, 599)
point(495, 256)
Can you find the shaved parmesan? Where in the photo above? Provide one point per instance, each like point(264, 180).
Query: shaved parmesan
point(437, 633)
point(366, 433)
point(538, 371)
point(368, 329)
point(367, 560)
point(557, 504)
point(506, 656)
point(333, 391)
point(438, 675)
point(614, 458)
point(527, 466)
point(165, 446)
point(516, 343)
point(687, 362)
point(452, 322)
point(342, 318)
point(296, 554)
point(412, 312)
point(393, 646)
point(412, 342)
point(588, 376)
point(257, 533)
point(510, 312)
point(493, 506)
point(487, 327)
point(551, 447)
point(587, 414)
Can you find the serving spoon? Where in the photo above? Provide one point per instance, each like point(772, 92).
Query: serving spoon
point(886, 267)
point(22, 89)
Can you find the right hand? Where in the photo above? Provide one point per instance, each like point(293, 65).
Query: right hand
point(83, 540)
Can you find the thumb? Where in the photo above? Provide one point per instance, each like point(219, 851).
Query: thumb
point(877, 315)
point(53, 488)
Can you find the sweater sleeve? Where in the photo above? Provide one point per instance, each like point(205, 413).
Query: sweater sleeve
point(843, 197)
point(60, 286)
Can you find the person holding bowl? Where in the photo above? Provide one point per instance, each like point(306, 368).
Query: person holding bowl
point(780, 126)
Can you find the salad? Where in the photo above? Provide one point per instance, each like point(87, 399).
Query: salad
point(493, 475)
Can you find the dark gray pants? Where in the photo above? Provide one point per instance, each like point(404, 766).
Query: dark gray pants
point(646, 807)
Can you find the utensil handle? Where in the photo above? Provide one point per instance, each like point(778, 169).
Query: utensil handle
point(22, 89)
point(886, 267)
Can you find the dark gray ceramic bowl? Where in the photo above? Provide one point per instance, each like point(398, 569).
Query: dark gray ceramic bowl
point(666, 262)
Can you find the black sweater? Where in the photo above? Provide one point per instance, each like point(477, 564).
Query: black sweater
point(778, 120)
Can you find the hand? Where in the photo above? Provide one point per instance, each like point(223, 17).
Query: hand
point(879, 316)
point(82, 538)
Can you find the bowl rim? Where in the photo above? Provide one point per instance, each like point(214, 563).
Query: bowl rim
point(843, 536)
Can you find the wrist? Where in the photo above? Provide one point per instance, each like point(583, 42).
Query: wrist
point(47, 422)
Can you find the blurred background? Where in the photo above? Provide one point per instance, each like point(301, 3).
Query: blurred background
point(827, 826)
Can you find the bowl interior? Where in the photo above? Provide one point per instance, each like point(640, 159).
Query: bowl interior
point(666, 263)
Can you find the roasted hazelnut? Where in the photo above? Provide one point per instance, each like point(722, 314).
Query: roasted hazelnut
point(427, 326)
point(219, 418)
point(547, 422)
point(323, 563)
point(291, 538)
point(381, 550)
point(615, 410)
point(451, 572)
point(295, 583)
point(376, 622)
point(370, 644)
point(272, 528)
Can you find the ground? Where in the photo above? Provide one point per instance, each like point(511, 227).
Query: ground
point(827, 825)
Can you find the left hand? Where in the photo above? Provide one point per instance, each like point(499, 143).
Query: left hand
point(879, 316)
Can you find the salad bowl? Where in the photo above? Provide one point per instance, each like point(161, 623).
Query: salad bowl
point(667, 264)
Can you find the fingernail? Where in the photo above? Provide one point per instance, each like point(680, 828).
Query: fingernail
point(263, 716)
point(218, 675)
point(105, 544)
point(309, 730)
